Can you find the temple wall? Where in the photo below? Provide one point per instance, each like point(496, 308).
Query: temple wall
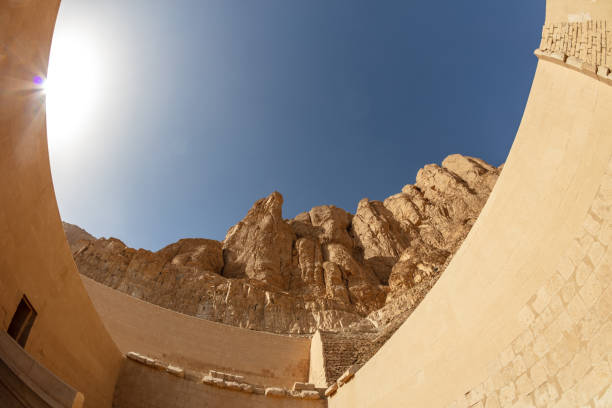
point(143, 387)
point(262, 358)
point(67, 337)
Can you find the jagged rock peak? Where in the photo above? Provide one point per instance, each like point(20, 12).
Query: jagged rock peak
point(324, 269)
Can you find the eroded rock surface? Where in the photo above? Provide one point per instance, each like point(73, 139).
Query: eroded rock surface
point(324, 269)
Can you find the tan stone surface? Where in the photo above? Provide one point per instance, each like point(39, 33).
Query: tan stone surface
point(324, 269)
point(141, 387)
point(510, 322)
point(197, 344)
point(76, 235)
point(68, 338)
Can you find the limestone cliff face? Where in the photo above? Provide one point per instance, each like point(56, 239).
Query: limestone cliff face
point(324, 269)
point(75, 235)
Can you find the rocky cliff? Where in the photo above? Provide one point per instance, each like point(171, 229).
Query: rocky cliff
point(324, 269)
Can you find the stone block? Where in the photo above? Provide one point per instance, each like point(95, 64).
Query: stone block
point(348, 375)
point(492, 402)
point(539, 373)
point(605, 400)
point(507, 395)
point(569, 399)
point(601, 343)
point(217, 382)
point(588, 326)
point(558, 56)
point(524, 401)
point(174, 370)
point(565, 322)
point(565, 268)
point(545, 395)
point(542, 322)
point(216, 374)
point(301, 386)
point(568, 291)
point(149, 361)
point(476, 394)
point(310, 395)
point(526, 316)
point(541, 300)
point(160, 365)
point(575, 253)
point(553, 334)
point(574, 371)
point(605, 234)
point(529, 357)
point(585, 241)
point(519, 344)
point(331, 390)
point(601, 208)
point(506, 356)
point(233, 385)
point(596, 252)
point(248, 388)
point(540, 346)
point(583, 271)
point(489, 386)
point(593, 383)
point(576, 309)
point(592, 225)
point(604, 273)
point(524, 385)
point(136, 357)
point(519, 366)
point(603, 307)
point(507, 374)
point(275, 392)
point(602, 72)
point(556, 305)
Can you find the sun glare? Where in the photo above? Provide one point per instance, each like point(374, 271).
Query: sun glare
point(71, 88)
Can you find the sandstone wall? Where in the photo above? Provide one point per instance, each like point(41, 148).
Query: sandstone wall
point(68, 338)
point(262, 358)
point(522, 315)
point(141, 387)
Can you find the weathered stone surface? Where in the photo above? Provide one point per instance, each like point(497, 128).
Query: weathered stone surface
point(324, 269)
point(275, 392)
point(331, 390)
point(76, 236)
point(310, 395)
point(301, 386)
point(380, 236)
point(260, 246)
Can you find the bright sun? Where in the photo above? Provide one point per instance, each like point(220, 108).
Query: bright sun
point(71, 87)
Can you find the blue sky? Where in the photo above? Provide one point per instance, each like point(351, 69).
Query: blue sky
point(194, 109)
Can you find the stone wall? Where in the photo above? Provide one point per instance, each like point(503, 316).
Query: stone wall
point(563, 356)
point(588, 41)
point(140, 386)
point(262, 358)
point(67, 337)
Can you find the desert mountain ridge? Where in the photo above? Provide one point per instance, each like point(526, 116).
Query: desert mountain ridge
point(324, 269)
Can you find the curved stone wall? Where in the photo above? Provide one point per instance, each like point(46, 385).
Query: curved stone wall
point(143, 387)
point(67, 337)
point(262, 358)
point(522, 315)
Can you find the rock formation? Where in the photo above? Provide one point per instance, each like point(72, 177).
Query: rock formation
point(75, 235)
point(324, 269)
